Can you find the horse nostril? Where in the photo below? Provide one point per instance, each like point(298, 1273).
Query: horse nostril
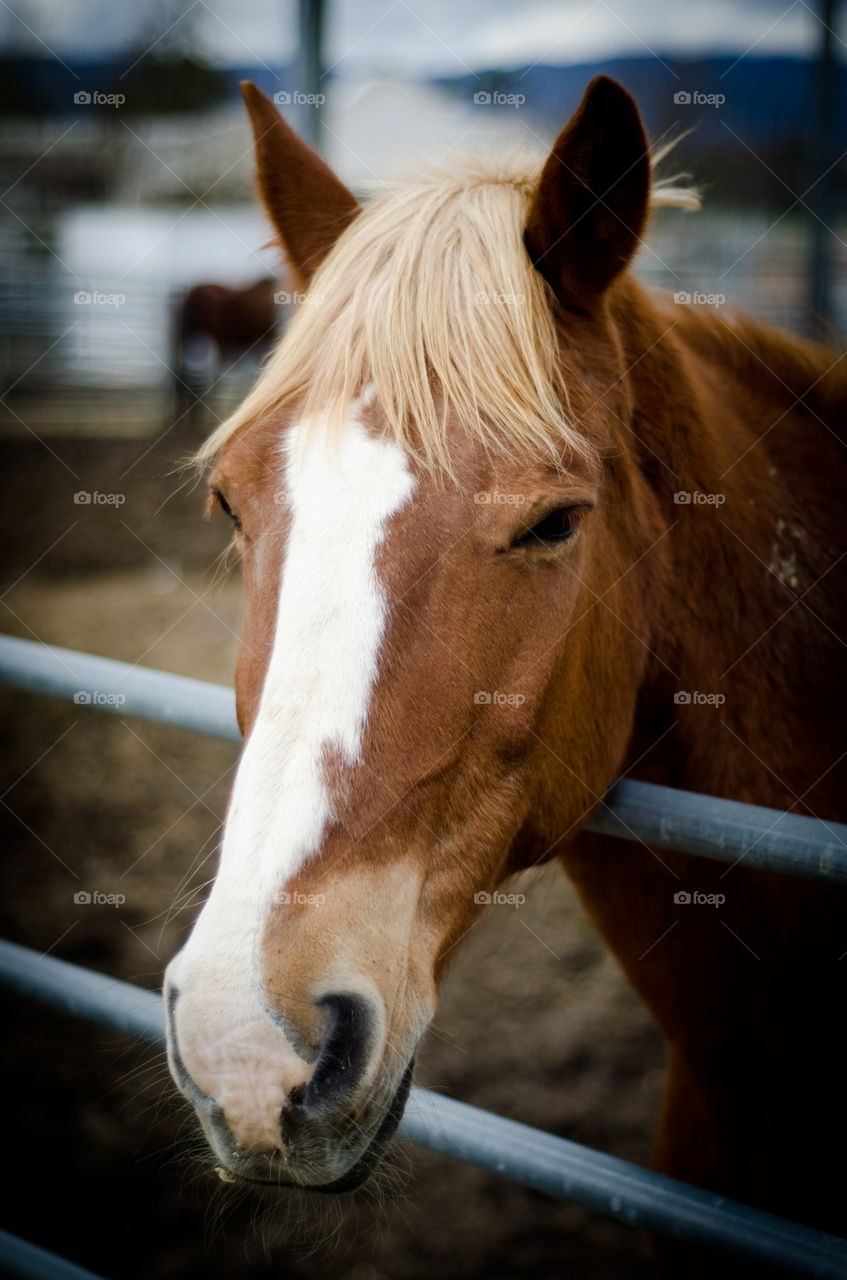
point(344, 1054)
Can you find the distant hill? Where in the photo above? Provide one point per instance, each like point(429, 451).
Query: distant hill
point(46, 87)
point(768, 106)
point(750, 117)
point(765, 98)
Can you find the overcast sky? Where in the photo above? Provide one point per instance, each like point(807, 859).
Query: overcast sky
point(441, 37)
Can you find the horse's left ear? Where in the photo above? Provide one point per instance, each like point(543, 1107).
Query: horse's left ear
point(588, 213)
point(307, 204)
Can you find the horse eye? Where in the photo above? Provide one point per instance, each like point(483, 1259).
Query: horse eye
point(557, 526)
point(226, 508)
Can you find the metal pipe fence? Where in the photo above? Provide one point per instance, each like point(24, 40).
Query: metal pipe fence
point(768, 839)
point(703, 825)
point(28, 1261)
point(556, 1166)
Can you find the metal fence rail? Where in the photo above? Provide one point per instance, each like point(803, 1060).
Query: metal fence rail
point(29, 1262)
point(703, 825)
point(556, 1166)
point(726, 830)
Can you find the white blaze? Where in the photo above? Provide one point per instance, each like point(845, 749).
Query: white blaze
point(331, 619)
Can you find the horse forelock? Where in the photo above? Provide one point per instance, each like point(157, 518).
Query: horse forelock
point(430, 299)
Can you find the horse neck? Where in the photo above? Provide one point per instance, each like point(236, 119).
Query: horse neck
point(716, 414)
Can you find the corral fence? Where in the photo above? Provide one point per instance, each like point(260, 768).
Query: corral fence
point(725, 830)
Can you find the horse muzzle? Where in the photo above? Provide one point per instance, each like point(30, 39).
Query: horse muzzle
point(316, 1116)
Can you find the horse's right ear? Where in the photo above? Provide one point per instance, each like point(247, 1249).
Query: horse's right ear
point(590, 207)
point(306, 203)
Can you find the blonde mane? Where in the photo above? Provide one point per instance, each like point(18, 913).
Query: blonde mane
point(429, 298)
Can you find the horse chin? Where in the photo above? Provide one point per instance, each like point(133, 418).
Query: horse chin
point(367, 1163)
point(359, 1172)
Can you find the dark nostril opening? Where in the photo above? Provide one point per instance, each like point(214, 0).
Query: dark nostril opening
point(344, 1054)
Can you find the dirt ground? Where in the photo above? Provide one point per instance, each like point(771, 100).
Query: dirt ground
point(535, 1021)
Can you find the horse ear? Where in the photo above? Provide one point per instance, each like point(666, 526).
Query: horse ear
point(306, 203)
point(589, 210)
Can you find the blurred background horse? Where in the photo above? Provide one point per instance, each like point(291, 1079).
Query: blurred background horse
point(216, 328)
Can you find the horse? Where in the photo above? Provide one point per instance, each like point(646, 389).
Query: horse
point(216, 325)
point(512, 527)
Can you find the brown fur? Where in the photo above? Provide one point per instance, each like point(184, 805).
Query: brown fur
point(652, 597)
